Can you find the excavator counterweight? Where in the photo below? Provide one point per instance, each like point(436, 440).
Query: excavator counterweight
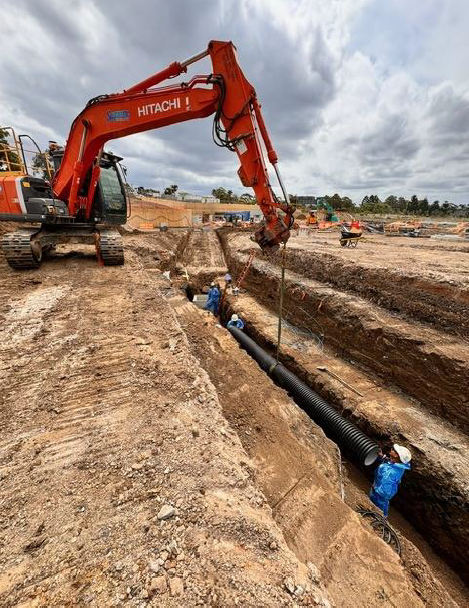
point(86, 196)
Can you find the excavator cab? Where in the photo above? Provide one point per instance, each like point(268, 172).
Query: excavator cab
point(110, 197)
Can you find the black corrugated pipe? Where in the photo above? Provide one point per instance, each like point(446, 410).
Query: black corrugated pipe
point(345, 433)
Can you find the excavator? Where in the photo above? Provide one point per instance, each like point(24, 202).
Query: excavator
point(85, 197)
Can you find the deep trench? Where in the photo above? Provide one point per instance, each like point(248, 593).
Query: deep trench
point(360, 476)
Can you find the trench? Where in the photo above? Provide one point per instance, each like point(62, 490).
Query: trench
point(429, 512)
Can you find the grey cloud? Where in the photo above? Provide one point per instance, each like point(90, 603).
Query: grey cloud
point(391, 141)
point(296, 79)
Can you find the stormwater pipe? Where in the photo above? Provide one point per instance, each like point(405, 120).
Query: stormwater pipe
point(344, 433)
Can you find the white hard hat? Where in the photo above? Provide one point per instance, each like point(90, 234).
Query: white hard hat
point(234, 317)
point(212, 284)
point(404, 454)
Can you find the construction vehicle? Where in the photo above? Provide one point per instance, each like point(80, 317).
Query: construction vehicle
point(86, 197)
point(312, 220)
point(330, 214)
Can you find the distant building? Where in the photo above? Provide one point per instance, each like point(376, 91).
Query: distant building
point(307, 201)
point(210, 199)
point(196, 198)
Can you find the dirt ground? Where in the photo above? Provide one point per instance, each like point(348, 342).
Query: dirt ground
point(146, 460)
point(424, 279)
point(427, 363)
point(121, 481)
point(301, 475)
point(411, 376)
point(383, 414)
point(203, 258)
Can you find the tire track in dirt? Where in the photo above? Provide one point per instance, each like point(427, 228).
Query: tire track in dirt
point(106, 417)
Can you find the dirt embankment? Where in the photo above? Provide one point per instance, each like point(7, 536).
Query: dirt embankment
point(442, 304)
point(424, 363)
point(299, 472)
point(435, 494)
point(157, 249)
point(121, 482)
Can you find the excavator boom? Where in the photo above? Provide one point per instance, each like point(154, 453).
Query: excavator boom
point(225, 93)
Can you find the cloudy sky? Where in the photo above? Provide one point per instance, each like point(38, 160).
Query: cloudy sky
point(359, 96)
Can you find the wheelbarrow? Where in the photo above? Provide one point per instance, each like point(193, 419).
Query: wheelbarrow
point(349, 239)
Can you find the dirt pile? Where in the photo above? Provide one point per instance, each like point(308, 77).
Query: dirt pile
point(157, 249)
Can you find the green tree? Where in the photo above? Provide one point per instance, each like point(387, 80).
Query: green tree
point(347, 204)
point(335, 201)
point(393, 202)
point(170, 190)
point(424, 207)
point(402, 204)
point(413, 205)
point(39, 165)
point(9, 159)
point(219, 193)
point(247, 198)
point(445, 208)
point(225, 196)
point(373, 204)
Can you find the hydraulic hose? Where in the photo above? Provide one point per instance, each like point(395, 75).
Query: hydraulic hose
point(342, 431)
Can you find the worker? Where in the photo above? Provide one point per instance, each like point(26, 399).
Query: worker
point(227, 279)
point(235, 321)
point(388, 476)
point(213, 299)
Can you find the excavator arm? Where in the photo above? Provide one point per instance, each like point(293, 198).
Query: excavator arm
point(238, 125)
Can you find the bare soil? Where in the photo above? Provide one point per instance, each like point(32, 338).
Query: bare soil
point(121, 403)
point(426, 363)
point(418, 278)
point(410, 375)
point(439, 474)
point(106, 418)
point(203, 258)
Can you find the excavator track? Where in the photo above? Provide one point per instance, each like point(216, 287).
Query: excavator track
point(18, 251)
point(111, 250)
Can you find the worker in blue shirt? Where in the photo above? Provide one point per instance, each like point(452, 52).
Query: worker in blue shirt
point(235, 321)
point(213, 299)
point(388, 476)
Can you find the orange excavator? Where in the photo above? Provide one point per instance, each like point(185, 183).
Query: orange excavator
point(86, 197)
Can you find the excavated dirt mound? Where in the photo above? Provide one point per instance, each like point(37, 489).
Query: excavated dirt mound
point(157, 249)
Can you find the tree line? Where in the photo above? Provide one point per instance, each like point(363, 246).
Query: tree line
point(412, 206)
point(391, 205)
